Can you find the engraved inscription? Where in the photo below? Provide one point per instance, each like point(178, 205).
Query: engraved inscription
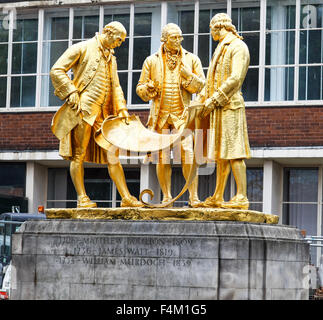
point(120, 251)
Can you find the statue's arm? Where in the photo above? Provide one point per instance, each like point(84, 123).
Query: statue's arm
point(62, 83)
point(146, 89)
point(119, 101)
point(195, 82)
point(239, 68)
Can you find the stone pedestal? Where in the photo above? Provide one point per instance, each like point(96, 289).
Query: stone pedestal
point(147, 260)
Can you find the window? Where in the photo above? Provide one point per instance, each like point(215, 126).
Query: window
point(246, 18)
point(4, 40)
point(284, 37)
point(311, 51)
point(12, 179)
point(54, 43)
point(302, 201)
point(18, 54)
point(280, 51)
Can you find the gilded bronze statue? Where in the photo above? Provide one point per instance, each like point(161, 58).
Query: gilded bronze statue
point(169, 77)
point(93, 95)
point(223, 113)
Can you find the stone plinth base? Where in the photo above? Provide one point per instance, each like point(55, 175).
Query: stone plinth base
point(115, 259)
point(204, 214)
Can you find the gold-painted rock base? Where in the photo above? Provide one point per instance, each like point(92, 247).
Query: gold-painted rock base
point(201, 214)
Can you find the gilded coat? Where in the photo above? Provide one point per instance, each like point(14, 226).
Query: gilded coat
point(228, 135)
point(153, 69)
point(83, 58)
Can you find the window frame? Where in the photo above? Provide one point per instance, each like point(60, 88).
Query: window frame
point(318, 202)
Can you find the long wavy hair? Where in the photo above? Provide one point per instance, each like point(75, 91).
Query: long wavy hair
point(222, 20)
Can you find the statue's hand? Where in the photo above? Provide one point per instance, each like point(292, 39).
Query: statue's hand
point(152, 88)
point(125, 115)
point(208, 108)
point(73, 101)
point(185, 71)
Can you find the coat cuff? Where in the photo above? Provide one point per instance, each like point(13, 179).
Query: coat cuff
point(64, 90)
point(221, 97)
point(193, 84)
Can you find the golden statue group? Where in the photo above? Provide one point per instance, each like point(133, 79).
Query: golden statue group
point(169, 77)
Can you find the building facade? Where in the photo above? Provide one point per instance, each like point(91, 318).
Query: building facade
point(283, 93)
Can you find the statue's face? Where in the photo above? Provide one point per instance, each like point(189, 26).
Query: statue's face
point(114, 39)
point(174, 39)
point(215, 32)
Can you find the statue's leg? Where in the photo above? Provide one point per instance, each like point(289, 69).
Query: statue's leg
point(164, 169)
point(117, 175)
point(222, 174)
point(240, 200)
point(187, 157)
point(164, 174)
point(81, 137)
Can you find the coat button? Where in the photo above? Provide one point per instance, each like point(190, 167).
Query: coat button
point(94, 68)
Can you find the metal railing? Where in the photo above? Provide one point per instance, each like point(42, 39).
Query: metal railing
point(315, 241)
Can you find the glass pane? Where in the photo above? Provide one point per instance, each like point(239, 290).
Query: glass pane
point(3, 92)
point(59, 28)
point(141, 51)
point(188, 43)
point(300, 184)
point(280, 48)
point(279, 84)
point(135, 97)
point(310, 83)
point(26, 30)
point(85, 26)
point(24, 58)
point(78, 28)
point(48, 99)
point(221, 7)
point(4, 27)
point(142, 25)
point(280, 16)
point(12, 179)
point(204, 21)
point(107, 19)
point(3, 58)
point(255, 184)
point(122, 54)
point(186, 21)
point(310, 46)
point(51, 52)
point(246, 19)
point(23, 91)
point(302, 216)
point(204, 50)
point(250, 85)
point(123, 79)
point(252, 41)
